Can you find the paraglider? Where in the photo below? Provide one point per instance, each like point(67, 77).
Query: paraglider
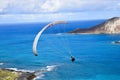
point(40, 33)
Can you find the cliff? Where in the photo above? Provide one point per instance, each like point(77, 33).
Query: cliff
point(110, 26)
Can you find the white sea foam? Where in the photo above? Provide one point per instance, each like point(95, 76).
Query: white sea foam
point(1, 64)
point(22, 70)
point(50, 68)
point(40, 73)
point(39, 77)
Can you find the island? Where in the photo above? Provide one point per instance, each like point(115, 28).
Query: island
point(110, 26)
point(116, 42)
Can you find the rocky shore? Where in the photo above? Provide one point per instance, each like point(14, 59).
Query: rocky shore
point(16, 75)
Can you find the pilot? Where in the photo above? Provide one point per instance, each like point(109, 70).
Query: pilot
point(72, 58)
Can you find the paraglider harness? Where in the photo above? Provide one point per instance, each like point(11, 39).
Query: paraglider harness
point(72, 58)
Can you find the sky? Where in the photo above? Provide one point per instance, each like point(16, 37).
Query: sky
point(23, 11)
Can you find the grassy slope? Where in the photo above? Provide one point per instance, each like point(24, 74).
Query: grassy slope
point(7, 75)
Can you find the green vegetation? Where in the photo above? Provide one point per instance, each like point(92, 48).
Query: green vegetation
point(7, 75)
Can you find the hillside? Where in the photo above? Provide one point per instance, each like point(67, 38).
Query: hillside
point(110, 26)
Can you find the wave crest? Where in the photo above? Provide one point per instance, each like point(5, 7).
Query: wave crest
point(50, 68)
point(1, 64)
point(22, 70)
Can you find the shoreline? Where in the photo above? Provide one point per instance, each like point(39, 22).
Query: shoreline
point(20, 75)
point(24, 75)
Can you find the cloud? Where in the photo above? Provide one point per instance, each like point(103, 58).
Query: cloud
point(51, 6)
point(119, 4)
point(3, 5)
point(12, 11)
point(22, 6)
point(18, 18)
point(28, 18)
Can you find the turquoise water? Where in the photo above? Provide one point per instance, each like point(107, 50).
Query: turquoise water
point(96, 57)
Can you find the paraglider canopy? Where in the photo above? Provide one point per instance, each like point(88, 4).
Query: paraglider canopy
point(40, 33)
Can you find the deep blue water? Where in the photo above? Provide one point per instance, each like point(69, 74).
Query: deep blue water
point(96, 57)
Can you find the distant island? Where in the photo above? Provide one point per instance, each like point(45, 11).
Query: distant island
point(116, 42)
point(110, 26)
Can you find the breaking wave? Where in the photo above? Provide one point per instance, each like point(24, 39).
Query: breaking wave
point(1, 64)
point(22, 70)
point(40, 73)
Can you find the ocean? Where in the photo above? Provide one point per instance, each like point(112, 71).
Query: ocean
point(96, 57)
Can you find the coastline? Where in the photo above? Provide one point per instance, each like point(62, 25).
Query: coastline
point(17, 75)
point(93, 33)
